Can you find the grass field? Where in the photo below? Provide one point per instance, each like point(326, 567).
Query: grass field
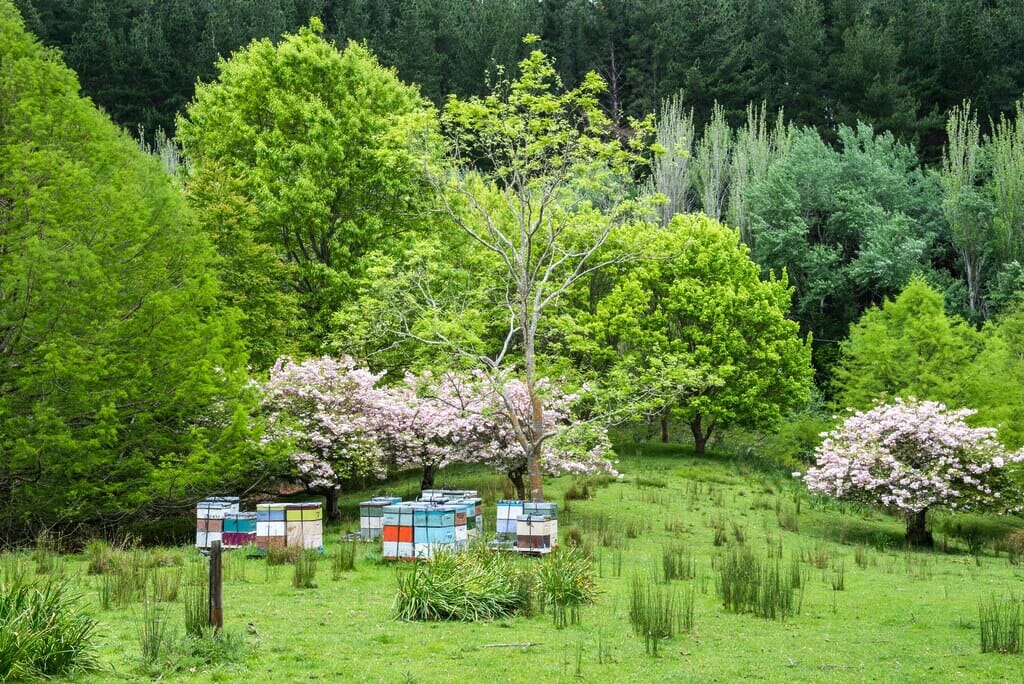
point(868, 610)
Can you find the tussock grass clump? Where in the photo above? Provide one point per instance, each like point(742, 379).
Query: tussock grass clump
point(999, 620)
point(304, 570)
point(165, 583)
point(286, 555)
point(154, 633)
point(677, 563)
point(566, 579)
point(747, 584)
point(42, 634)
point(655, 611)
point(343, 560)
point(477, 585)
point(196, 597)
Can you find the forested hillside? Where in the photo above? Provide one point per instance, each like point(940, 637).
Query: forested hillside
point(898, 67)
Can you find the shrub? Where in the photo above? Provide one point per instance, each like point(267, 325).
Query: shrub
point(567, 581)
point(478, 585)
point(42, 634)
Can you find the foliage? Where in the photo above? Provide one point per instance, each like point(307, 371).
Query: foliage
point(480, 585)
point(317, 152)
point(694, 333)
point(555, 190)
point(994, 380)
point(566, 582)
point(825, 63)
point(326, 411)
point(747, 584)
point(849, 226)
point(906, 347)
point(573, 446)
point(42, 631)
point(432, 422)
point(121, 381)
point(911, 456)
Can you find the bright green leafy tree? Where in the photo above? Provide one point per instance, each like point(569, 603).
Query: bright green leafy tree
point(693, 332)
point(906, 347)
point(324, 145)
point(119, 377)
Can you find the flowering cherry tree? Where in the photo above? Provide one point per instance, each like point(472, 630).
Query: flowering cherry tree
point(570, 446)
point(327, 410)
point(913, 456)
point(431, 422)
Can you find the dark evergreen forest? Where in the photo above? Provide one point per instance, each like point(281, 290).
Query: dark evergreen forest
point(898, 66)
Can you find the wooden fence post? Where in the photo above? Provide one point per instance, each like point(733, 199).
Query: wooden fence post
point(216, 595)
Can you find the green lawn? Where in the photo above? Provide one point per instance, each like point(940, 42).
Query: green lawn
point(901, 616)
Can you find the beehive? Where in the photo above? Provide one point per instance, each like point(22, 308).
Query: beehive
point(371, 515)
point(473, 508)
point(397, 532)
point(239, 529)
point(536, 533)
point(418, 529)
point(210, 513)
point(506, 519)
point(447, 495)
point(271, 526)
point(304, 525)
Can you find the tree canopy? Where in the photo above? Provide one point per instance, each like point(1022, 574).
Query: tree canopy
point(120, 377)
point(322, 148)
point(692, 332)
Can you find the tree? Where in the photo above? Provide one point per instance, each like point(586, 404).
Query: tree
point(967, 210)
point(573, 446)
point(906, 347)
point(556, 189)
point(432, 421)
point(121, 384)
point(849, 226)
point(325, 146)
point(994, 381)
point(711, 165)
point(696, 334)
point(913, 456)
point(671, 175)
point(325, 412)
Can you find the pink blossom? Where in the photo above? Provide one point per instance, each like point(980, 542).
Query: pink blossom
point(912, 455)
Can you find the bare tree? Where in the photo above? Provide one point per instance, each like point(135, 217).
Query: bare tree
point(555, 188)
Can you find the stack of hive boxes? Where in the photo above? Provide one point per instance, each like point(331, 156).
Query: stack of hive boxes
point(397, 532)
point(474, 515)
point(446, 495)
point(465, 498)
point(271, 527)
point(371, 515)
point(210, 513)
point(239, 529)
point(434, 527)
point(537, 527)
point(506, 522)
point(418, 529)
point(280, 525)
